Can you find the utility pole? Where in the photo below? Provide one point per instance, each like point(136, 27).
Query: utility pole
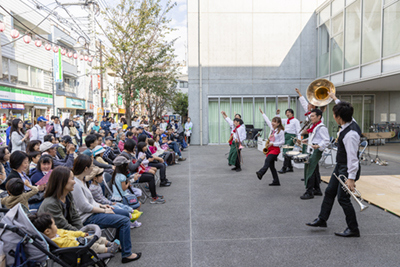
point(92, 49)
point(101, 74)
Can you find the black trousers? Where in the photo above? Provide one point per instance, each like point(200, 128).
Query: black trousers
point(270, 163)
point(188, 139)
point(314, 181)
point(161, 167)
point(287, 163)
point(335, 188)
point(239, 155)
point(149, 178)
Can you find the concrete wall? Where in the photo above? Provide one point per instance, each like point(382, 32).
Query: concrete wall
point(254, 47)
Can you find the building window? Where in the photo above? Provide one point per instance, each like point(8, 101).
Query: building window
point(183, 84)
point(36, 77)
point(323, 49)
point(219, 131)
point(69, 85)
point(352, 32)
point(4, 75)
point(337, 43)
point(371, 30)
point(391, 36)
point(23, 76)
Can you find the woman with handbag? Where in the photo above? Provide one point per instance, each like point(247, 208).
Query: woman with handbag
point(104, 216)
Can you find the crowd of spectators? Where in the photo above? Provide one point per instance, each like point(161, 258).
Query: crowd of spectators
point(67, 179)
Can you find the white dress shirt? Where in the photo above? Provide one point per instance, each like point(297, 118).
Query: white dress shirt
point(304, 104)
point(279, 137)
point(38, 133)
point(58, 129)
point(320, 136)
point(351, 143)
point(240, 134)
point(232, 126)
point(293, 127)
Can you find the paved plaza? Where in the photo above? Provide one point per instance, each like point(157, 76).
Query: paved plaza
point(217, 217)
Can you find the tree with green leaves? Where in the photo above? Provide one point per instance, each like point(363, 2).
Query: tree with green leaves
point(139, 53)
point(181, 104)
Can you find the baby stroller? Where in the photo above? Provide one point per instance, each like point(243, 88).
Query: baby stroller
point(26, 246)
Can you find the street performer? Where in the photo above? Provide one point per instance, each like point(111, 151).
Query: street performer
point(318, 140)
point(347, 164)
point(292, 131)
point(238, 134)
point(276, 139)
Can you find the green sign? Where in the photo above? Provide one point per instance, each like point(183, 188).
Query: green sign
point(119, 100)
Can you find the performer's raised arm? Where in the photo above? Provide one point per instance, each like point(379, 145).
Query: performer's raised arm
point(228, 120)
point(267, 120)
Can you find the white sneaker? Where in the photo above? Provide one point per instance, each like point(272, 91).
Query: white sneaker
point(136, 224)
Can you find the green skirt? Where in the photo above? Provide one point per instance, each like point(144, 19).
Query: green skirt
point(304, 149)
point(309, 167)
point(233, 153)
point(289, 142)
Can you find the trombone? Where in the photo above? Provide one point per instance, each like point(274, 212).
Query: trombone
point(356, 195)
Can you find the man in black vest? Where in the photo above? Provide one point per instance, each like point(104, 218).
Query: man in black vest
point(347, 164)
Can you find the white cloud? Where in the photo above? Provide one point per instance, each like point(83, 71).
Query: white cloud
point(182, 8)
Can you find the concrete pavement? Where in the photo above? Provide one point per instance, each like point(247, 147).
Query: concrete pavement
point(217, 217)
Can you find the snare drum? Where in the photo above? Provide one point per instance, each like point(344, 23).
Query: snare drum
point(302, 158)
point(291, 154)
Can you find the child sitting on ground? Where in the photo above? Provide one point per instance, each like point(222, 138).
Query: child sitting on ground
point(44, 223)
point(34, 159)
point(98, 196)
point(15, 189)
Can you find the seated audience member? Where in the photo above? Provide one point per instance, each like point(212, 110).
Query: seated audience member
point(121, 142)
point(44, 165)
point(101, 134)
point(99, 197)
point(33, 146)
point(33, 159)
point(109, 154)
point(133, 166)
point(19, 163)
point(154, 161)
point(59, 201)
point(91, 143)
point(172, 144)
point(141, 151)
point(104, 216)
point(62, 151)
point(50, 138)
point(155, 149)
point(15, 189)
point(129, 135)
point(50, 149)
point(45, 224)
point(4, 158)
point(98, 153)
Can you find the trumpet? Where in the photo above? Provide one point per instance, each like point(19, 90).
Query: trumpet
point(356, 194)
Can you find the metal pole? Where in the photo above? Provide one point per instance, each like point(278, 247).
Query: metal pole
point(200, 80)
point(101, 76)
point(93, 50)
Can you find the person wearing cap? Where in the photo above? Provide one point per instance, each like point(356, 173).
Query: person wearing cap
point(27, 125)
point(39, 130)
point(50, 148)
point(98, 153)
point(105, 124)
point(62, 146)
point(90, 124)
point(96, 126)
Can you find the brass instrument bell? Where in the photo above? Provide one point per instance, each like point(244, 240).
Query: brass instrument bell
point(318, 92)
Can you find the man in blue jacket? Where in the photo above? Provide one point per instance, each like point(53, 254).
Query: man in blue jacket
point(105, 125)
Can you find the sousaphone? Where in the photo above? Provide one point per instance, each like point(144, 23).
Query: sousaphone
point(318, 92)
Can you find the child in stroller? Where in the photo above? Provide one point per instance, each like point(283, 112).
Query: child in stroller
point(24, 245)
point(44, 222)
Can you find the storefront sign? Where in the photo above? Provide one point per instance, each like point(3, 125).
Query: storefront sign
point(90, 107)
point(20, 95)
point(12, 106)
point(76, 103)
point(121, 111)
